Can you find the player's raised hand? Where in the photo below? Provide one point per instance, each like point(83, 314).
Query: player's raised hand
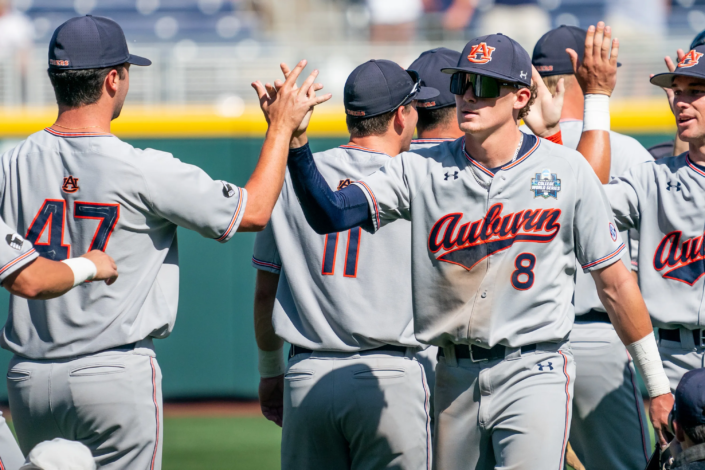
point(597, 74)
point(671, 68)
point(285, 108)
point(106, 269)
point(271, 398)
point(545, 114)
point(311, 94)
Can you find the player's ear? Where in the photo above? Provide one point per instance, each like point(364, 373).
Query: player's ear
point(523, 97)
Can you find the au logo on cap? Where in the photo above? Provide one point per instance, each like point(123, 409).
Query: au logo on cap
point(483, 51)
point(691, 58)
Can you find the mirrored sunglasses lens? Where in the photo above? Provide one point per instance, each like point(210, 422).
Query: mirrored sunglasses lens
point(486, 87)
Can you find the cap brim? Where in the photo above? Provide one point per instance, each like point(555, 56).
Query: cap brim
point(137, 60)
point(665, 80)
point(425, 93)
point(486, 73)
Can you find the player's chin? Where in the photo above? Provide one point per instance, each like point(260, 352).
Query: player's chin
point(690, 130)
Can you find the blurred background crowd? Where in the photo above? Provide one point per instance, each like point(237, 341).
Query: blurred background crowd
point(208, 51)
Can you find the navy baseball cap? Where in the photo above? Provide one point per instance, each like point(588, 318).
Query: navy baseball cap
point(497, 56)
point(90, 42)
point(699, 40)
point(550, 57)
point(692, 65)
point(379, 86)
point(429, 65)
point(689, 406)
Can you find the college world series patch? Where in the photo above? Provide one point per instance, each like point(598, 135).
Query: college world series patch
point(546, 184)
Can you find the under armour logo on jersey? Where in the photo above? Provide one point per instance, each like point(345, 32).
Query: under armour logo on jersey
point(670, 185)
point(691, 58)
point(483, 50)
point(454, 175)
point(548, 365)
point(14, 241)
point(70, 184)
point(344, 183)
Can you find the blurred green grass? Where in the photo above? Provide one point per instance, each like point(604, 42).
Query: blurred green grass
point(233, 443)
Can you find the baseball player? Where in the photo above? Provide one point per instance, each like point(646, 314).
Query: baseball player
point(664, 201)
point(609, 427)
point(84, 365)
point(498, 221)
point(353, 397)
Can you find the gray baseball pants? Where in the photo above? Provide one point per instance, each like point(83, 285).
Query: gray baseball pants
point(109, 401)
point(364, 411)
point(11, 457)
point(504, 414)
point(429, 359)
point(681, 356)
point(609, 427)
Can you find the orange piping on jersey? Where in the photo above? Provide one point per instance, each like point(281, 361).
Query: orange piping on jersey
point(77, 134)
point(567, 408)
point(234, 219)
point(606, 258)
point(266, 264)
point(694, 166)
point(14, 262)
point(374, 202)
point(364, 149)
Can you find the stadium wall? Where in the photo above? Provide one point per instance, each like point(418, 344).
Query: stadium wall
point(212, 352)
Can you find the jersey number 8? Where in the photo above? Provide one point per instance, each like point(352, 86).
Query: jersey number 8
point(523, 277)
point(51, 217)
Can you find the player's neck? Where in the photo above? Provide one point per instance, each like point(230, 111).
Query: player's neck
point(442, 132)
point(379, 143)
point(90, 118)
point(573, 104)
point(696, 152)
point(496, 148)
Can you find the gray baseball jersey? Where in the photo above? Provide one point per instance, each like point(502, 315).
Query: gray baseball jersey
point(664, 200)
point(343, 291)
point(626, 152)
point(494, 254)
point(418, 144)
point(73, 192)
point(15, 251)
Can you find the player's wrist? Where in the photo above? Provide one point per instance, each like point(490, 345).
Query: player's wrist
point(83, 269)
point(648, 361)
point(298, 141)
point(596, 116)
point(271, 363)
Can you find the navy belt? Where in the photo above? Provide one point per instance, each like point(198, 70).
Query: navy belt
point(477, 354)
point(294, 350)
point(594, 316)
point(675, 335)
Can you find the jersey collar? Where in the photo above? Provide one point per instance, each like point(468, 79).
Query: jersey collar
point(361, 149)
point(431, 141)
point(528, 147)
point(77, 134)
point(696, 168)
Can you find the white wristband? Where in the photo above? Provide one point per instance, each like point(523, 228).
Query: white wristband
point(83, 269)
point(596, 116)
point(271, 363)
point(648, 361)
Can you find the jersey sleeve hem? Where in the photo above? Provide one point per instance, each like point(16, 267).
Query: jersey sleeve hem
point(237, 217)
point(605, 260)
point(372, 201)
point(17, 263)
point(266, 266)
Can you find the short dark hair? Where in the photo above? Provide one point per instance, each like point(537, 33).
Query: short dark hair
point(430, 119)
point(523, 112)
point(696, 433)
point(76, 88)
point(375, 125)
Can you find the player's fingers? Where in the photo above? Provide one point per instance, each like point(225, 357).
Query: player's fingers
point(278, 84)
point(680, 54)
point(306, 85)
point(589, 38)
point(259, 88)
point(285, 69)
point(294, 75)
point(597, 40)
point(320, 99)
point(669, 64)
point(606, 44)
point(614, 53)
point(573, 59)
point(271, 91)
point(560, 89)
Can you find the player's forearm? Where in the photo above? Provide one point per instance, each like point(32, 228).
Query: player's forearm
point(265, 295)
point(622, 299)
point(265, 184)
point(42, 279)
point(326, 211)
point(595, 147)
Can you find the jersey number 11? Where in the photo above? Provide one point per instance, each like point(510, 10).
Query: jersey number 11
point(330, 249)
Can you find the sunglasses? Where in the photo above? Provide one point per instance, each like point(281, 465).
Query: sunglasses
point(482, 85)
point(415, 89)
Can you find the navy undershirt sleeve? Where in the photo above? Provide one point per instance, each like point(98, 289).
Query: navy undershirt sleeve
point(326, 211)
